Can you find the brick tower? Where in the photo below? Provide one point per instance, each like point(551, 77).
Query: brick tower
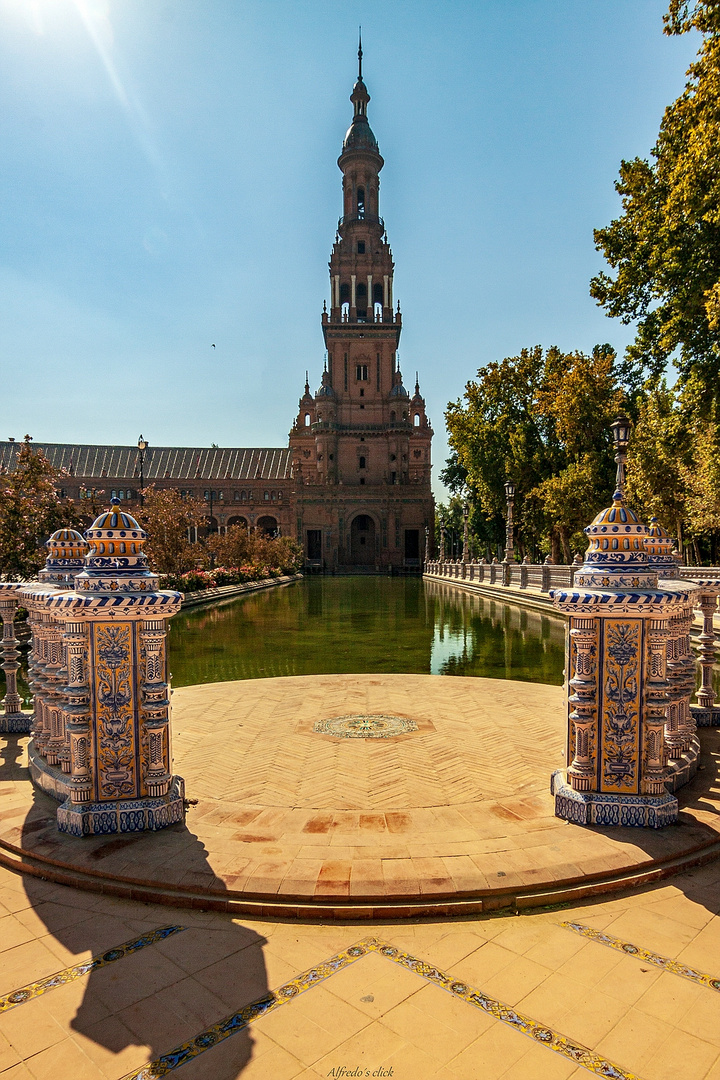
point(361, 445)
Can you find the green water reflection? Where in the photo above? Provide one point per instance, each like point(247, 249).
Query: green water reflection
point(362, 624)
point(365, 624)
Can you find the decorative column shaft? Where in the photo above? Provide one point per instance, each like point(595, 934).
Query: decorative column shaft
point(655, 709)
point(12, 717)
point(583, 650)
point(708, 607)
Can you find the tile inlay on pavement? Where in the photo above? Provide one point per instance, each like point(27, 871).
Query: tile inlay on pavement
point(545, 1036)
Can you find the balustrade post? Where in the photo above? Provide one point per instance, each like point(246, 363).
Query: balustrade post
point(12, 717)
point(706, 713)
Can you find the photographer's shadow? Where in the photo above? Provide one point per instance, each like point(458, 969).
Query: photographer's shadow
point(160, 1000)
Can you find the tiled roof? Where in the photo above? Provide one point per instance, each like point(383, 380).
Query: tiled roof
point(161, 462)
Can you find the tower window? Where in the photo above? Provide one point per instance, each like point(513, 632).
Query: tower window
point(362, 481)
point(361, 463)
point(344, 292)
point(361, 202)
point(416, 420)
point(361, 371)
point(361, 247)
point(377, 294)
point(307, 419)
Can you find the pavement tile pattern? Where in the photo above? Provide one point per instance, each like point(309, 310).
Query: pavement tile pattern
point(490, 998)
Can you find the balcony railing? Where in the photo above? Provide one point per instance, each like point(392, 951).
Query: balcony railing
point(368, 219)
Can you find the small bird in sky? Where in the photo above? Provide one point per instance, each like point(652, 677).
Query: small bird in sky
point(213, 346)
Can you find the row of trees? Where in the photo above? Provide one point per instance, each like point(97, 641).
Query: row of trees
point(541, 419)
point(30, 510)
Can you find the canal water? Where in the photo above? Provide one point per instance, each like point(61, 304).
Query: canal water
point(344, 625)
point(347, 625)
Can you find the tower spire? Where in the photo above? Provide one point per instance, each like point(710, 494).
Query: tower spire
point(360, 53)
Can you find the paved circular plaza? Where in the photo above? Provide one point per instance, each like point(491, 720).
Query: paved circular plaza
point(364, 791)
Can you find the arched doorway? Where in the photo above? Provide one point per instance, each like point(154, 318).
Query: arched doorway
point(362, 541)
point(268, 526)
point(237, 520)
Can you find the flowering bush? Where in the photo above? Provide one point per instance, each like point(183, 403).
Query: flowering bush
point(194, 580)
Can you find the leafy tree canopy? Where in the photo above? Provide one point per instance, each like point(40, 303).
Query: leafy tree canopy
point(30, 510)
point(541, 420)
point(665, 246)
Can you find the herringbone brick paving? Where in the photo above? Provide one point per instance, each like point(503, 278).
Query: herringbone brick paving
point(461, 805)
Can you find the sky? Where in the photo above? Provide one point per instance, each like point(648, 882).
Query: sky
point(169, 184)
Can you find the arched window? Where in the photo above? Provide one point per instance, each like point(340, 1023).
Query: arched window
point(267, 495)
point(113, 494)
point(307, 419)
point(361, 464)
point(392, 417)
point(344, 292)
point(416, 420)
point(361, 202)
point(243, 495)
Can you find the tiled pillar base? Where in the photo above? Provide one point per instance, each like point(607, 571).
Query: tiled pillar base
point(131, 815)
point(705, 717)
point(15, 723)
point(49, 778)
point(682, 769)
point(597, 808)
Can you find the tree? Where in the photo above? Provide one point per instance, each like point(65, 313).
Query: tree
point(167, 518)
point(665, 246)
point(237, 547)
point(541, 420)
point(658, 456)
point(30, 511)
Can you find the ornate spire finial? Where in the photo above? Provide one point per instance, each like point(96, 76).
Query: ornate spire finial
point(360, 53)
point(417, 383)
point(307, 383)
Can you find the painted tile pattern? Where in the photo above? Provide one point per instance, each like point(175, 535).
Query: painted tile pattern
point(116, 708)
point(372, 726)
point(621, 705)
point(42, 986)
point(553, 1040)
point(664, 962)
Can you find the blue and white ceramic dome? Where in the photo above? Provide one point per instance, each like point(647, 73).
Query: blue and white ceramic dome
point(617, 556)
point(659, 546)
point(116, 561)
point(65, 558)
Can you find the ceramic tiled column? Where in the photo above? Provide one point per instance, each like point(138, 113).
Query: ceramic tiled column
point(620, 619)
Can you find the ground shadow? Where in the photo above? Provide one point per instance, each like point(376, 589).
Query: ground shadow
point(12, 750)
point(168, 993)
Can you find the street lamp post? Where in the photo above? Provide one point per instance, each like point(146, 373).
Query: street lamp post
point(509, 544)
point(142, 447)
point(621, 437)
point(466, 549)
point(442, 537)
point(427, 544)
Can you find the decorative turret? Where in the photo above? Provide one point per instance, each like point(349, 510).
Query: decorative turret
point(66, 553)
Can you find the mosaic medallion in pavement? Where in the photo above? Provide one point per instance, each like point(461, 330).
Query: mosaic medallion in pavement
point(365, 726)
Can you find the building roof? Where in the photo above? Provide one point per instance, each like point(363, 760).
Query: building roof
point(161, 462)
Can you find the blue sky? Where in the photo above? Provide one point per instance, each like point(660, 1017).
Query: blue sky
point(169, 182)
